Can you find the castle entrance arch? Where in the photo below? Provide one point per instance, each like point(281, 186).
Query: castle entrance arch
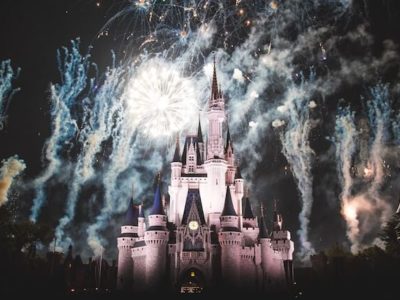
point(191, 281)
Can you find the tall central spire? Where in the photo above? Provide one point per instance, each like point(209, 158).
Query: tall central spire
point(214, 85)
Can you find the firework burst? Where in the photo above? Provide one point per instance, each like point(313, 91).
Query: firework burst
point(160, 100)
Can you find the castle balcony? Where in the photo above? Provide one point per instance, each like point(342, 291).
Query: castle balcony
point(215, 161)
point(199, 256)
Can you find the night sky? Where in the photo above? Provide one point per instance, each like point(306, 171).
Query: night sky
point(350, 52)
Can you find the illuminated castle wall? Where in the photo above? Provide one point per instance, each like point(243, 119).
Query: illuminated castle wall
point(206, 236)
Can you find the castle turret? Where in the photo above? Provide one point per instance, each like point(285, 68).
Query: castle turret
point(216, 118)
point(250, 226)
point(268, 261)
point(141, 222)
point(200, 141)
point(129, 234)
point(176, 173)
point(230, 239)
point(282, 243)
point(156, 239)
point(239, 189)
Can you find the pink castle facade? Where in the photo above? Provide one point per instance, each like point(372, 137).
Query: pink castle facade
point(208, 234)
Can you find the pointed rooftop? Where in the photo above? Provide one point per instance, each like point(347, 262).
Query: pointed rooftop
point(177, 154)
point(199, 133)
point(193, 207)
point(263, 233)
point(229, 209)
point(132, 213)
point(214, 85)
point(248, 212)
point(238, 174)
point(157, 208)
point(228, 140)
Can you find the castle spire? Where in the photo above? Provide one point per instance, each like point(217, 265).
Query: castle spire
point(228, 210)
point(157, 208)
point(228, 141)
point(199, 133)
point(214, 85)
point(248, 212)
point(263, 234)
point(131, 217)
point(238, 174)
point(177, 155)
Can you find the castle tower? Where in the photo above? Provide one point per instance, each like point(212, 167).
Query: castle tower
point(267, 256)
point(215, 165)
point(156, 239)
point(173, 189)
point(230, 239)
point(129, 234)
point(250, 226)
point(216, 118)
point(141, 222)
point(239, 189)
point(281, 241)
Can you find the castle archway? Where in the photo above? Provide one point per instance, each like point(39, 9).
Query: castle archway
point(191, 281)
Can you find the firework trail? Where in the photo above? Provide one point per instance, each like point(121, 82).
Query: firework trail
point(297, 150)
point(97, 127)
point(73, 68)
point(346, 136)
point(7, 76)
point(10, 169)
point(364, 209)
point(379, 109)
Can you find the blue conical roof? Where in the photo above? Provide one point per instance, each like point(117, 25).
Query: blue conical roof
point(157, 208)
point(132, 213)
point(228, 210)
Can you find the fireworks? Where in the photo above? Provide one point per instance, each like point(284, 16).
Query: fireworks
point(7, 76)
point(160, 100)
point(263, 49)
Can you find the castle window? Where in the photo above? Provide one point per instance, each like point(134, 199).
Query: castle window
point(191, 158)
point(191, 169)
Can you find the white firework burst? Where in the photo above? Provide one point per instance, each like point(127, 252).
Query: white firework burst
point(160, 100)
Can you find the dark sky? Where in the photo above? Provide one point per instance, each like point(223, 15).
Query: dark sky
point(32, 31)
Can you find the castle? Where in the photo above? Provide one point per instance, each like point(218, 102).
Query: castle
point(206, 236)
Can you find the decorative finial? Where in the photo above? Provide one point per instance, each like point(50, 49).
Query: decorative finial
point(262, 210)
point(275, 204)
